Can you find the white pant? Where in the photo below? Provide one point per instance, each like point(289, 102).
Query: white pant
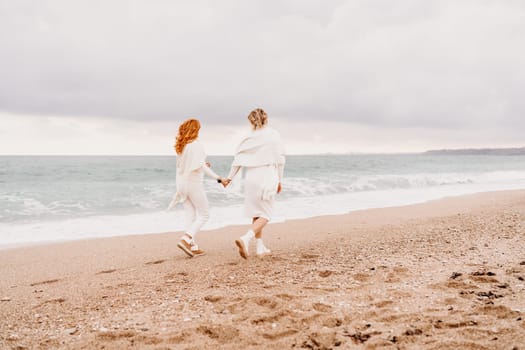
point(196, 207)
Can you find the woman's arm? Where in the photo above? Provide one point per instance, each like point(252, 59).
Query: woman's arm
point(234, 170)
point(207, 170)
point(281, 172)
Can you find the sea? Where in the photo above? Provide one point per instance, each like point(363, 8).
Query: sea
point(60, 198)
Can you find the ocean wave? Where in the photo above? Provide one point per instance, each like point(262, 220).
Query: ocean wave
point(344, 184)
point(225, 215)
point(79, 199)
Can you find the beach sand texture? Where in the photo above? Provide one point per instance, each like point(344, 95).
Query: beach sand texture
point(447, 274)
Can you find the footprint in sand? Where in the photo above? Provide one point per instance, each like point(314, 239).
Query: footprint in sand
point(111, 336)
point(397, 274)
point(361, 277)
point(460, 285)
point(332, 322)
point(273, 317)
point(325, 273)
point(360, 337)
point(322, 340)
point(455, 275)
point(180, 337)
point(413, 331)
point(321, 307)
point(156, 262)
point(132, 337)
point(52, 301)
point(246, 305)
point(177, 276)
point(308, 257)
point(483, 277)
point(55, 301)
point(473, 334)
point(401, 270)
point(213, 298)
point(392, 278)
point(488, 295)
point(456, 281)
point(383, 303)
point(500, 311)
point(125, 285)
point(279, 334)
point(439, 324)
point(387, 317)
point(269, 303)
point(273, 258)
point(44, 282)
point(220, 333)
point(286, 297)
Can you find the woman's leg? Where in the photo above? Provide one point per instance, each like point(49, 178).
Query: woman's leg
point(258, 224)
point(198, 198)
point(189, 214)
point(186, 241)
point(243, 242)
point(253, 205)
point(197, 213)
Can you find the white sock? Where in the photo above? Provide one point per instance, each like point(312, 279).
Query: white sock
point(248, 236)
point(189, 239)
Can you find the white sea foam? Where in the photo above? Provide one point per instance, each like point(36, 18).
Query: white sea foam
point(173, 221)
point(65, 198)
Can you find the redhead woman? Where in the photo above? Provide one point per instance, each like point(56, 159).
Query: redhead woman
point(261, 154)
point(191, 167)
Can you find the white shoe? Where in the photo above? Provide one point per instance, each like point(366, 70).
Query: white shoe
point(243, 244)
point(195, 249)
point(185, 247)
point(261, 249)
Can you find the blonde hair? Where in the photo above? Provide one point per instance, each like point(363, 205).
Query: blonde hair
point(258, 118)
point(188, 132)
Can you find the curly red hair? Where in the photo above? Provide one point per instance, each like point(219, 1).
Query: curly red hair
point(188, 132)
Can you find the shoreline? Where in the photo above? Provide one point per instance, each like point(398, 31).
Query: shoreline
point(446, 273)
point(426, 199)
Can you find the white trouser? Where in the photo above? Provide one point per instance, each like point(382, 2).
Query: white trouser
point(196, 207)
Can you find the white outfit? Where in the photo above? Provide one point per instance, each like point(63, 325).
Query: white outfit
point(191, 167)
point(262, 155)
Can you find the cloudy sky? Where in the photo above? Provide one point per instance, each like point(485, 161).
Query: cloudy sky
point(118, 76)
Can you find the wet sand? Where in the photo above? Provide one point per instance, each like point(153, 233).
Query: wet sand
point(447, 274)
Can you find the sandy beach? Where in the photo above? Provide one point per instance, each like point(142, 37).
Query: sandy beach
point(447, 274)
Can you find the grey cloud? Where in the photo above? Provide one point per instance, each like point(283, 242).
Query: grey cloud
point(442, 63)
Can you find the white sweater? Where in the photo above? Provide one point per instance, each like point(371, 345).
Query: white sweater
point(191, 167)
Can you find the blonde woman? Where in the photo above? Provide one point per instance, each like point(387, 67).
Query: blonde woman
point(261, 154)
point(191, 167)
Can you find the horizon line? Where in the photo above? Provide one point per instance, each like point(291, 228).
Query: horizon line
point(452, 150)
point(209, 155)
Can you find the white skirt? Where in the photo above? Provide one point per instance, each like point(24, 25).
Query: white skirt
point(256, 180)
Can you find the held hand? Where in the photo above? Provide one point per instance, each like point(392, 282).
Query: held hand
point(279, 188)
point(225, 182)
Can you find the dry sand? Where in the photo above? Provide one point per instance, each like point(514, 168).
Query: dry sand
point(447, 274)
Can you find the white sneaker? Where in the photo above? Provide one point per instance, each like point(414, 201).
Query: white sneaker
point(243, 244)
point(261, 249)
point(185, 247)
point(196, 251)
